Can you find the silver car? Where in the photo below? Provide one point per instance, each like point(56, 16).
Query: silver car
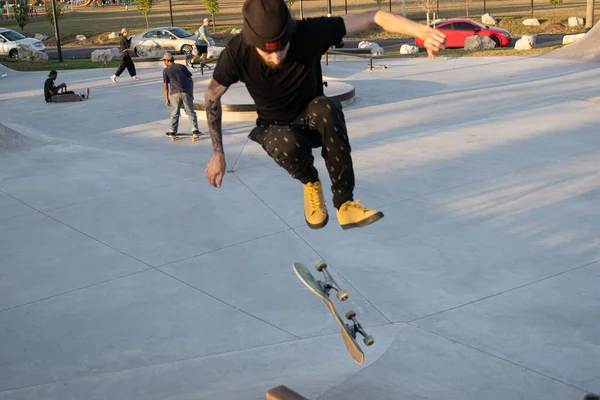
point(172, 39)
point(9, 40)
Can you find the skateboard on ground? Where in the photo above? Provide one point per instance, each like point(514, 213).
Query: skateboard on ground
point(322, 289)
point(283, 393)
point(178, 136)
point(382, 66)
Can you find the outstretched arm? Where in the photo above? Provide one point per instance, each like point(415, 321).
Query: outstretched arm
point(215, 169)
point(433, 39)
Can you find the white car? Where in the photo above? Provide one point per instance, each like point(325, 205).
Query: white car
point(9, 40)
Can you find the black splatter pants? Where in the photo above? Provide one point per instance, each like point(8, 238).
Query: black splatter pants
point(320, 124)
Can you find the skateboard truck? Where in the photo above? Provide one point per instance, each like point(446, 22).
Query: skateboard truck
point(330, 283)
point(356, 327)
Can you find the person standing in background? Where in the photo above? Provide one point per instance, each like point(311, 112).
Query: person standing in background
point(202, 43)
point(126, 61)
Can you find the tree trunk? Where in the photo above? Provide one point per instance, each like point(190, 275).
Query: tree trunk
point(147, 24)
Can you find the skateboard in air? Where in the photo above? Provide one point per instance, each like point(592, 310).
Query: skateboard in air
point(322, 289)
point(178, 136)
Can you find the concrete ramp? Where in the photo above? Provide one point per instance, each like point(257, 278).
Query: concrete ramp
point(12, 141)
point(585, 49)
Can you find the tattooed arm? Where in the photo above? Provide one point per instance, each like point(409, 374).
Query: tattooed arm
point(215, 169)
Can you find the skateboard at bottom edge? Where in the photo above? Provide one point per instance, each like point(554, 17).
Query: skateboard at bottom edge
point(178, 136)
point(283, 393)
point(322, 289)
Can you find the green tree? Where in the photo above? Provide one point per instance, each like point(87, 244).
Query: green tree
point(212, 6)
point(144, 7)
point(22, 15)
point(59, 11)
point(554, 4)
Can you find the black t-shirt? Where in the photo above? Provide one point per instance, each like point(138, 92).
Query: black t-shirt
point(280, 95)
point(124, 43)
point(48, 87)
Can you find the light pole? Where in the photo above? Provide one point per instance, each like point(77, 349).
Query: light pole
point(171, 12)
point(58, 49)
point(589, 17)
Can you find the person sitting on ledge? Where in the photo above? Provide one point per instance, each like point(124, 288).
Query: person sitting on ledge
point(51, 91)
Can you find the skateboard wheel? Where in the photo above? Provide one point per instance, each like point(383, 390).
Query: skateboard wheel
point(350, 314)
point(321, 265)
point(369, 340)
point(342, 295)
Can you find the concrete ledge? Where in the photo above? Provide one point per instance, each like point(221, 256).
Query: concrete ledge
point(237, 104)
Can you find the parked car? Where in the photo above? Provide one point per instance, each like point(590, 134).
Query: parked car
point(172, 39)
point(9, 40)
point(458, 29)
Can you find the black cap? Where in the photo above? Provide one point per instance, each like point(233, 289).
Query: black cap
point(268, 24)
point(52, 73)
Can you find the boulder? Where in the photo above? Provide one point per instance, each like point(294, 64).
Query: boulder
point(568, 39)
point(39, 36)
point(488, 20)
point(113, 35)
point(575, 21)
point(236, 31)
point(479, 43)
point(376, 49)
point(150, 48)
point(102, 55)
point(408, 49)
point(531, 22)
point(525, 43)
point(29, 53)
point(116, 53)
point(80, 37)
point(215, 51)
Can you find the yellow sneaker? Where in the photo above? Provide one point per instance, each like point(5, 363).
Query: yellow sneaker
point(352, 215)
point(315, 210)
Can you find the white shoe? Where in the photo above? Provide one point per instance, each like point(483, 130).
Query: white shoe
point(113, 78)
point(135, 78)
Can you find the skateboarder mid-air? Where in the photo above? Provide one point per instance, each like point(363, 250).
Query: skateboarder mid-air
point(279, 60)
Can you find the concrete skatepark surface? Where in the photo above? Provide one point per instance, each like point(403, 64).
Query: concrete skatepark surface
point(124, 275)
point(585, 49)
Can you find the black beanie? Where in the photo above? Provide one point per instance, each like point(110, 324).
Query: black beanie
point(268, 24)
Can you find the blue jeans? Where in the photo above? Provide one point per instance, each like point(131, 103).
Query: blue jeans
point(177, 100)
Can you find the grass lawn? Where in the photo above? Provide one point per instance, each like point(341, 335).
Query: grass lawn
point(96, 23)
point(48, 65)
point(503, 51)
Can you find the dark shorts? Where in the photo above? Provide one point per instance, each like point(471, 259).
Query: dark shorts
point(202, 50)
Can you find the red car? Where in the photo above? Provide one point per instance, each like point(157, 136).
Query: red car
point(458, 29)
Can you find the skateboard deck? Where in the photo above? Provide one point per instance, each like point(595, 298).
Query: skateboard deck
point(382, 66)
point(178, 136)
point(283, 393)
point(348, 332)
